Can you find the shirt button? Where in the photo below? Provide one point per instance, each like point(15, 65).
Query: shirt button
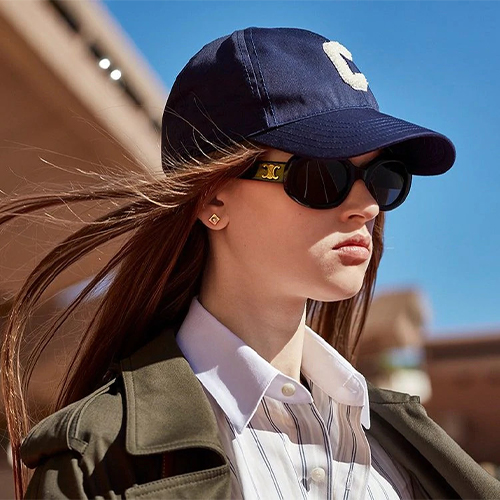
point(318, 475)
point(288, 389)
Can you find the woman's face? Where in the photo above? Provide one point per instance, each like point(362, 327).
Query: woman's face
point(277, 245)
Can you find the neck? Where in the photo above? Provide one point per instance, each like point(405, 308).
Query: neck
point(274, 326)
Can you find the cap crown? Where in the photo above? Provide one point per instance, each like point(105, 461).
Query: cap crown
point(253, 80)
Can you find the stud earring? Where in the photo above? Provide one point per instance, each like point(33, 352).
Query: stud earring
point(214, 219)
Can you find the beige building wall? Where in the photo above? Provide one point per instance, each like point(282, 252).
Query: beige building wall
point(63, 114)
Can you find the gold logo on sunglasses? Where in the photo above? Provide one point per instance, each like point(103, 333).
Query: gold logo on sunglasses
point(270, 171)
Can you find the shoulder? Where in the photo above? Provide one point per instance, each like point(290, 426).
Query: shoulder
point(402, 427)
point(99, 416)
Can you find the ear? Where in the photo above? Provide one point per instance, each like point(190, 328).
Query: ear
point(214, 214)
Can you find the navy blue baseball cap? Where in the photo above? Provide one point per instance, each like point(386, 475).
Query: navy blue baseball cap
point(292, 90)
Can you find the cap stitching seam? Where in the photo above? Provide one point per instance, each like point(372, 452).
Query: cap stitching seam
point(263, 81)
point(255, 91)
point(329, 110)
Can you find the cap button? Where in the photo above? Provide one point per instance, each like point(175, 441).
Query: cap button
point(288, 389)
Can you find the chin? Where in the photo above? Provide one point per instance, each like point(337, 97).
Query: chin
point(334, 285)
point(335, 292)
point(344, 285)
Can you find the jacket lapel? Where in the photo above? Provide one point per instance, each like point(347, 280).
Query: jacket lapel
point(166, 407)
point(401, 425)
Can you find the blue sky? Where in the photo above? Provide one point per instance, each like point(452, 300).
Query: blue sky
point(434, 63)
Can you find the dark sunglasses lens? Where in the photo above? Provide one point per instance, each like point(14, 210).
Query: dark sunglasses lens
point(317, 183)
point(388, 183)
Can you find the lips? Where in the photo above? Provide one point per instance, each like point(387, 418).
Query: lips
point(354, 251)
point(358, 240)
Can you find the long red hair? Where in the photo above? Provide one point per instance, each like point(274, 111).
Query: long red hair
point(152, 278)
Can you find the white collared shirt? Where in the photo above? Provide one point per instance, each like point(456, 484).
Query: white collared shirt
point(282, 440)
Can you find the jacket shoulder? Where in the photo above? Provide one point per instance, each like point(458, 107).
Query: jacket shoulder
point(403, 428)
point(74, 426)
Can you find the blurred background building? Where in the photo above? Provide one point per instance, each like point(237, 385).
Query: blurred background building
point(457, 377)
point(75, 95)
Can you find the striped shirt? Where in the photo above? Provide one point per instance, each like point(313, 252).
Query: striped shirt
point(282, 439)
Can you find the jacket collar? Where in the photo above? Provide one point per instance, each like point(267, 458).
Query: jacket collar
point(165, 404)
point(385, 396)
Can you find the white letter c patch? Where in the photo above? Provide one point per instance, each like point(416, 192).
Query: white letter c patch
point(335, 51)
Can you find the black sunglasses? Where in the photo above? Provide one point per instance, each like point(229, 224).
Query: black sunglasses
point(322, 184)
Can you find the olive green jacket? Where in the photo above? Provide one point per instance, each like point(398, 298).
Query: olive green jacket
point(117, 442)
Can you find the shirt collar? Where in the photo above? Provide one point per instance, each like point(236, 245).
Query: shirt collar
point(330, 371)
point(237, 377)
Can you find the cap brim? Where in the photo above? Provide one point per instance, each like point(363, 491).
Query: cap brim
point(352, 132)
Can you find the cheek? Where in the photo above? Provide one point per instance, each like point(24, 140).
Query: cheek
point(265, 218)
point(276, 241)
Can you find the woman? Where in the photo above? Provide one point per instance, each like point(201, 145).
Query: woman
point(208, 370)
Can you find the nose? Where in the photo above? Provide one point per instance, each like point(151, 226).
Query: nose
point(359, 204)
